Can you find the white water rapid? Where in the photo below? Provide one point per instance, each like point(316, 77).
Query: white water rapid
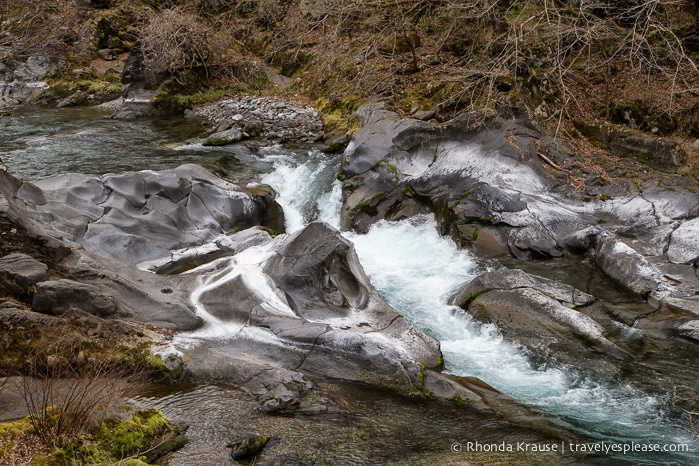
point(416, 271)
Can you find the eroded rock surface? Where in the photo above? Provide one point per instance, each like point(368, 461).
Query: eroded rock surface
point(502, 188)
point(184, 250)
point(19, 272)
point(538, 312)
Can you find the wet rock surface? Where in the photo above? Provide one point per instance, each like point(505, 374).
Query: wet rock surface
point(538, 312)
point(184, 250)
point(503, 188)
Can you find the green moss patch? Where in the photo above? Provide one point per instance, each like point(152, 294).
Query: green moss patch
point(136, 441)
point(148, 435)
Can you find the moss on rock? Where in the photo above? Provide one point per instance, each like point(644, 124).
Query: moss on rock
point(137, 441)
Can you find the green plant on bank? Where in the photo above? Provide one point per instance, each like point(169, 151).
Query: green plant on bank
point(393, 169)
point(138, 440)
point(67, 83)
point(460, 400)
point(408, 191)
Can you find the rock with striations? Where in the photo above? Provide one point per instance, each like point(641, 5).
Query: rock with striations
point(58, 296)
point(535, 311)
point(19, 273)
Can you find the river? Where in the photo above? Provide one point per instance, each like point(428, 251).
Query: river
point(414, 269)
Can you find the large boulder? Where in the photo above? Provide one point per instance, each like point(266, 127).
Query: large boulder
point(540, 313)
point(502, 187)
point(304, 302)
point(184, 250)
point(140, 216)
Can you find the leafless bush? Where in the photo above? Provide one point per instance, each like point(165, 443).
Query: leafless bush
point(177, 42)
point(25, 25)
point(555, 41)
point(66, 391)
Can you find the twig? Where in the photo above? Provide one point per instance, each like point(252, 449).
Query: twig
point(550, 162)
point(695, 430)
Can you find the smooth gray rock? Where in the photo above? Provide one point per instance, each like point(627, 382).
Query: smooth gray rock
point(503, 188)
point(535, 311)
point(223, 138)
point(58, 296)
point(627, 267)
point(307, 293)
point(509, 279)
point(142, 216)
point(19, 272)
point(261, 310)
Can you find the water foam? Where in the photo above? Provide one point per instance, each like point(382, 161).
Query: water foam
point(416, 271)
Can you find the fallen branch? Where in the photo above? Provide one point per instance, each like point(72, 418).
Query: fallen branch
point(550, 162)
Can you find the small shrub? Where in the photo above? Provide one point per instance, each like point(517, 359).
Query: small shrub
point(67, 390)
point(176, 42)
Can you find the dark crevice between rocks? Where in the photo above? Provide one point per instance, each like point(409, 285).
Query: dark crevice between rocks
point(312, 347)
point(641, 317)
point(185, 264)
point(381, 329)
point(666, 247)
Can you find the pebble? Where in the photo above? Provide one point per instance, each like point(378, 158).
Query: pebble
point(281, 121)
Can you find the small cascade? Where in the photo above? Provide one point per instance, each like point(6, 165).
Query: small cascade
point(416, 271)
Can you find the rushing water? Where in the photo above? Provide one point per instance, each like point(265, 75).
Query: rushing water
point(414, 268)
point(416, 271)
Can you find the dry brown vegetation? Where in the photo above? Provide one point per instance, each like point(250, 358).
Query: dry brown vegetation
point(630, 62)
point(69, 391)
